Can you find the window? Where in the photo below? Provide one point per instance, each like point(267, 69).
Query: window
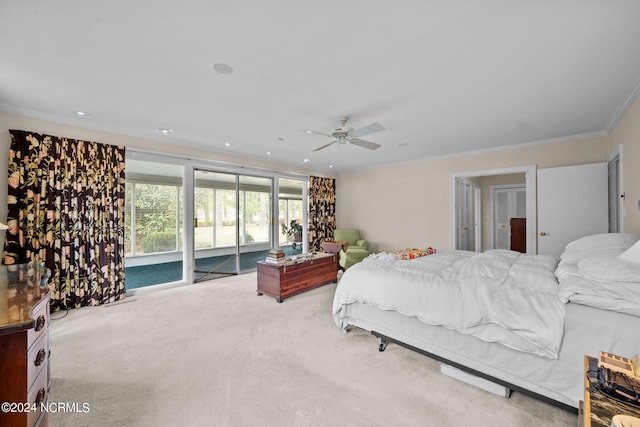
point(153, 218)
point(289, 207)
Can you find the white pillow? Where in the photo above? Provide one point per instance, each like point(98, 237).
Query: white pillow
point(601, 257)
point(605, 243)
point(632, 254)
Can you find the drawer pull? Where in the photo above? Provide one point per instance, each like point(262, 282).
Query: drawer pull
point(42, 393)
point(40, 322)
point(40, 357)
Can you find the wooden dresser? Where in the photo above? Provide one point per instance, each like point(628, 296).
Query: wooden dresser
point(518, 234)
point(282, 281)
point(24, 346)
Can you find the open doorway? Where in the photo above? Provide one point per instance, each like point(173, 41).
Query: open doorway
point(484, 225)
point(508, 207)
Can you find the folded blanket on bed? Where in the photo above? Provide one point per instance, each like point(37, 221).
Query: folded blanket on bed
point(404, 254)
point(497, 296)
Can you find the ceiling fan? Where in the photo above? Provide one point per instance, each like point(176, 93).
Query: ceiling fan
point(344, 134)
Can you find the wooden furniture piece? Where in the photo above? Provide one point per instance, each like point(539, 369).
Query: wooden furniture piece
point(518, 234)
point(307, 272)
point(598, 409)
point(24, 346)
point(334, 248)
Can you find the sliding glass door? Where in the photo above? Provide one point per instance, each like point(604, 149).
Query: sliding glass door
point(215, 231)
point(255, 196)
point(191, 220)
point(153, 223)
point(232, 222)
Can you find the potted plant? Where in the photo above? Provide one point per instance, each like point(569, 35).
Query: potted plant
point(293, 230)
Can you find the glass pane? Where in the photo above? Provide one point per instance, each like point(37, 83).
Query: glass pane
point(256, 212)
point(214, 224)
point(290, 209)
point(153, 223)
point(204, 199)
point(255, 219)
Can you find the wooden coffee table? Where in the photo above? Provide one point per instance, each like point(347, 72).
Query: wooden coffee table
point(284, 280)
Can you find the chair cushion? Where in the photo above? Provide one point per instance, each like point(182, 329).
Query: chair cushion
point(351, 235)
point(356, 250)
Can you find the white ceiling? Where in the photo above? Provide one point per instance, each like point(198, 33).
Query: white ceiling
point(441, 76)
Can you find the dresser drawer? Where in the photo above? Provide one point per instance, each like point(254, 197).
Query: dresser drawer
point(37, 359)
point(37, 395)
point(40, 316)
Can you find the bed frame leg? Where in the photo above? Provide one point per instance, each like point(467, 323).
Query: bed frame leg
point(383, 344)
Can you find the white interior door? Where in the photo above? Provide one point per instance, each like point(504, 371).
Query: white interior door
point(464, 215)
point(572, 203)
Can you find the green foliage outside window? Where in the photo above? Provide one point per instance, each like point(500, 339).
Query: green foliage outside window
point(159, 242)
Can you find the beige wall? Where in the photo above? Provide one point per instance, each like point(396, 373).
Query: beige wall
point(627, 133)
point(409, 205)
point(11, 121)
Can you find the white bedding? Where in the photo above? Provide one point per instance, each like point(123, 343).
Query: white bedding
point(590, 272)
point(497, 296)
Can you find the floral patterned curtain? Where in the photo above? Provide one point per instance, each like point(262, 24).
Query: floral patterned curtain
point(322, 211)
point(66, 209)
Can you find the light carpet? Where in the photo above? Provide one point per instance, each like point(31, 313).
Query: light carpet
point(216, 354)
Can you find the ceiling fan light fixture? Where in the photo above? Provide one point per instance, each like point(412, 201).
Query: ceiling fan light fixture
point(345, 133)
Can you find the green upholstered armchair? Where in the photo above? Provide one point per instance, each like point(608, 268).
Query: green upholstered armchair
point(357, 249)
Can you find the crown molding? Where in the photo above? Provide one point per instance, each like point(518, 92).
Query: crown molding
point(623, 107)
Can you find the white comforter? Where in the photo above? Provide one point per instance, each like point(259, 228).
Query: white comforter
point(497, 296)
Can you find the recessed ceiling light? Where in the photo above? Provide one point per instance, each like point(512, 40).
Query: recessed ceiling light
point(306, 160)
point(330, 166)
point(81, 113)
point(165, 131)
point(308, 131)
point(222, 68)
point(227, 144)
point(268, 153)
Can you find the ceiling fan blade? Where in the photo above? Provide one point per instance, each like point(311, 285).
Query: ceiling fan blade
point(325, 146)
point(373, 127)
point(317, 133)
point(364, 144)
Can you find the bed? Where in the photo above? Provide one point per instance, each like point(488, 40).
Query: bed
point(522, 321)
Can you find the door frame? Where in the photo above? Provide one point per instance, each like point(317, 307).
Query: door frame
point(616, 155)
point(530, 172)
